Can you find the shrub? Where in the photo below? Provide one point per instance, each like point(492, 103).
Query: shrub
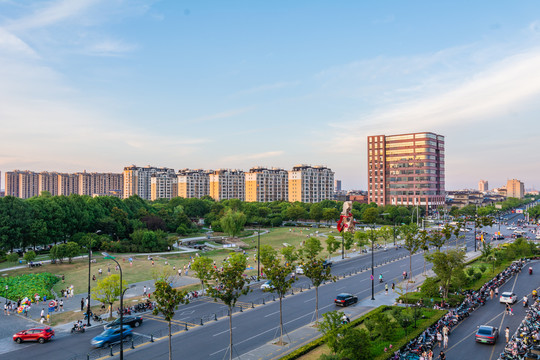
point(30, 256)
point(430, 287)
point(13, 257)
point(482, 268)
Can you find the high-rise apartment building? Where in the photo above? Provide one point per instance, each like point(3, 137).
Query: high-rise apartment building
point(227, 184)
point(97, 184)
point(48, 181)
point(265, 185)
point(12, 183)
point(68, 184)
point(28, 184)
point(337, 185)
point(515, 189)
point(137, 180)
point(163, 186)
point(310, 184)
point(193, 183)
point(483, 186)
point(406, 169)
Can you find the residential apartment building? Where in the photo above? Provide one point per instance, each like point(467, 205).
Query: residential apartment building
point(163, 186)
point(265, 185)
point(137, 180)
point(406, 169)
point(97, 184)
point(12, 183)
point(483, 186)
point(193, 183)
point(515, 189)
point(227, 184)
point(22, 184)
point(68, 184)
point(48, 181)
point(310, 184)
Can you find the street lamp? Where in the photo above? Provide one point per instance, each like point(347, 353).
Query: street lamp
point(372, 263)
point(258, 252)
point(89, 247)
point(107, 256)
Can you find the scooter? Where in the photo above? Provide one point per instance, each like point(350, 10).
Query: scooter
point(530, 271)
point(78, 328)
point(525, 302)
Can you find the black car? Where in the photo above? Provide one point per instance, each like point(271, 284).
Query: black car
point(486, 334)
point(133, 321)
point(345, 299)
point(327, 263)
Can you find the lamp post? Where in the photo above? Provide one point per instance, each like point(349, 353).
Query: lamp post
point(259, 252)
point(88, 298)
point(107, 256)
point(372, 262)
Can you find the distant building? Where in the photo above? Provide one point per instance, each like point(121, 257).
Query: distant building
point(266, 185)
point(193, 183)
point(515, 189)
point(406, 169)
point(337, 185)
point(483, 186)
point(227, 184)
point(163, 185)
point(12, 183)
point(68, 184)
point(48, 181)
point(311, 184)
point(137, 180)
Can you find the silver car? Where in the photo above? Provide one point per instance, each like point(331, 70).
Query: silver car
point(508, 298)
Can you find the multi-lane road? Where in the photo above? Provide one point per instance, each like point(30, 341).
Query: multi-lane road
point(253, 327)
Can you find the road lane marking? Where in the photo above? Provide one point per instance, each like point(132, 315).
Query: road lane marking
point(308, 300)
point(223, 332)
point(274, 313)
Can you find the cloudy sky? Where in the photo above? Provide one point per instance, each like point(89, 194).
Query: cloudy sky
point(97, 85)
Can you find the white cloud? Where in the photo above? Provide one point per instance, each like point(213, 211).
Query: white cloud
point(249, 156)
point(221, 115)
point(10, 43)
point(109, 48)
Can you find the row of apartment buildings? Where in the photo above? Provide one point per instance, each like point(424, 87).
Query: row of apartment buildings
point(303, 183)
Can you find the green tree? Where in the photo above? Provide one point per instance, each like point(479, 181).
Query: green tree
point(332, 244)
point(447, 266)
point(437, 240)
point(314, 268)
point(203, 267)
point(278, 273)
point(370, 215)
point(72, 249)
point(167, 301)
point(233, 285)
point(316, 212)
point(386, 232)
point(411, 243)
point(30, 256)
point(107, 290)
point(295, 212)
point(233, 222)
point(13, 257)
point(330, 214)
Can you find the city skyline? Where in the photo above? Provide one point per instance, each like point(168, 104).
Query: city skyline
point(96, 85)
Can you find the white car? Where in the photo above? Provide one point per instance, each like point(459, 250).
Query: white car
point(267, 285)
point(508, 298)
point(299, 270)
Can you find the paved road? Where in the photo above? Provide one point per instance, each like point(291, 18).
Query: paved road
point(252, 328)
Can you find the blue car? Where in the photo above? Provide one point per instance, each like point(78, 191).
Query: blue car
point(111, 336)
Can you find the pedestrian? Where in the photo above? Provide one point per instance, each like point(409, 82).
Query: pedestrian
point(144, 290)
point(63, 279)
point(393, 287)
point(445, 330)
point(48, 318)
point(109, 270)
point(439, 338)
point(180, 272)
point(442, 356)
point(491, 294)
point(511, 311)
point(5, 309)
point(445, 341)
point(42, 314)
point(152, 262)
point(61, 304)
point(507, 309)
point(430, 354)
point(100, 272)
point(82, 304)
point(386, 289)
point(496, 292)
point(507, 334)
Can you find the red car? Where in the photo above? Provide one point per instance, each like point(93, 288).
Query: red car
point(37, 334)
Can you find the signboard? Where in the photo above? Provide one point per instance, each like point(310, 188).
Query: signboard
point(519, 211)
point(371, 277)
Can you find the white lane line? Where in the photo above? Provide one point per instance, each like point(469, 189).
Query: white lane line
point(223, 332)
point(143, 335)
point(341, 288)
point(274, 313)
point(308, 300)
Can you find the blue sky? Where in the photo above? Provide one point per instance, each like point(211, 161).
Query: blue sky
point(97, 85)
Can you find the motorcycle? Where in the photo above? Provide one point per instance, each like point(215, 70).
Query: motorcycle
point(78, 328)
point(525, 302)
point(530, 271)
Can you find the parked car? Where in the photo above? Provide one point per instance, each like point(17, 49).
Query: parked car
point(486, 334)
point(299, 270)
point(345, 299)
point(327, 263)
point(40, 335)
point(131, 320)
point(111, 336)
point(267, 285)
point(508, 298)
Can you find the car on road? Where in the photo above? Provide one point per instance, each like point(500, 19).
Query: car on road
point(486, 334)
point(40, 335)
point(300, 270)
point(112, 336)
point(345, 299)
point(267, 285)
point(508, 298)
point(131, 320)
point(327, 263)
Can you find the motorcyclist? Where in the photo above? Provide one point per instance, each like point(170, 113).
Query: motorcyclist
point(404, 275)
point(530, 270)
point(525, 301)
point(345, 319)
point(534, 294)
point(380, 278)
